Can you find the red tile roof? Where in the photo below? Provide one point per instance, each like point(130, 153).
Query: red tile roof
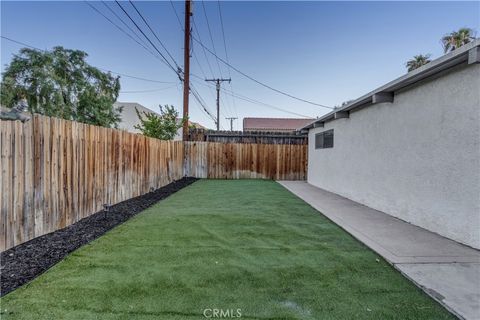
point(273, 124)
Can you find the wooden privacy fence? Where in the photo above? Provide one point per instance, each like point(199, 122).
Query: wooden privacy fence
point(54, 172)
point(245, 161)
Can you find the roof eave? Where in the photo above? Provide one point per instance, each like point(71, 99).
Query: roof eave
point(468, 53)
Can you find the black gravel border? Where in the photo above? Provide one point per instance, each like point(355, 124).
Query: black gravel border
point(25, 262)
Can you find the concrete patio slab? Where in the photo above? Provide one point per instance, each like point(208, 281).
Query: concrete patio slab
point(446, 270)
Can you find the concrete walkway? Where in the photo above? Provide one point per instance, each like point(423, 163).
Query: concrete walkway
point(444, 269)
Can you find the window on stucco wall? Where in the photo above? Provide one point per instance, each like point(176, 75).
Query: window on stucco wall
point(324, 139)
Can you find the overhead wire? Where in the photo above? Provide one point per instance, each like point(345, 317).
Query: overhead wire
point(150, 41)
point(103, 69)
point(125, 32)
point(253, 101)
point(176, 14)
point(200, 102)
point(214, 49)
point(258, 81)
point(210, 33)
point(257, 102)
point(124, 23)
point(152, 90)
point(135, 77)
point(195, 29)
point(226, 54)
point(154, 34)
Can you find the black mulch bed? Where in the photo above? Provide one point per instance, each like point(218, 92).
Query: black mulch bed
point(28, 260)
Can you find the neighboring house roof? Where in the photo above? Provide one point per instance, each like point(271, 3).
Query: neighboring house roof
point(467, 54)
point(284, 124)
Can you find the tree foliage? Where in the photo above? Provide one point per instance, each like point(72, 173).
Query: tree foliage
point(417, 61)
point(61, 83)
point(163, 126)
point(344, 103)
point(456, 39)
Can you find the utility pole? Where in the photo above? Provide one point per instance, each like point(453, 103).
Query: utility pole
point(231, 122)
point(218, 81)
point(186, 68)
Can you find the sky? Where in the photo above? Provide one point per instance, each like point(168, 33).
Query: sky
point(324, 52)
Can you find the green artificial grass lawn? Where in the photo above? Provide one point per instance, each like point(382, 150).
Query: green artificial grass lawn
point(238, 244)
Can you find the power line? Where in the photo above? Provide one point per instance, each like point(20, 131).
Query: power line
point(201, 70)
point(257, 102)
point(253, 101)
point(223, 29)
point(103, 69)
point(218, 82)
point(214, 49)
point(135, 77)
point(23, 44)
point(198, 63)
point(176, 14)
point(154, 34)
point(193, 51)
point(148, 39)
point(153, 90)
point(125, 32)
point(258, 81)
point(226, 53)
point(124, 23)
point(211, 37)
point(204, 77)
point(195, 28)
point(195, 56)
point(200, 101)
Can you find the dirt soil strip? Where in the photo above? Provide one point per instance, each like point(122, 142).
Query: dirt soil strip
point(28, 260)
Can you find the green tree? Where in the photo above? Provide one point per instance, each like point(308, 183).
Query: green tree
point(417, 61)
point(61, 83)
point(344, 103)
point(456, 39)
point(163, 126)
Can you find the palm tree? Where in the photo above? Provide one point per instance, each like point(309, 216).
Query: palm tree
point(417, 61)
point(456, 39)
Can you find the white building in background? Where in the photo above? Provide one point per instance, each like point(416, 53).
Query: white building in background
point(130, 118)
point(410, 148)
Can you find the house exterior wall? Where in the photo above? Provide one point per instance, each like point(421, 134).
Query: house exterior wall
point(129, 117)
point(417, 159)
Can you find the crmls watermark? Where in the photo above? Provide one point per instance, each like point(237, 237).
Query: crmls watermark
point(222, 313)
